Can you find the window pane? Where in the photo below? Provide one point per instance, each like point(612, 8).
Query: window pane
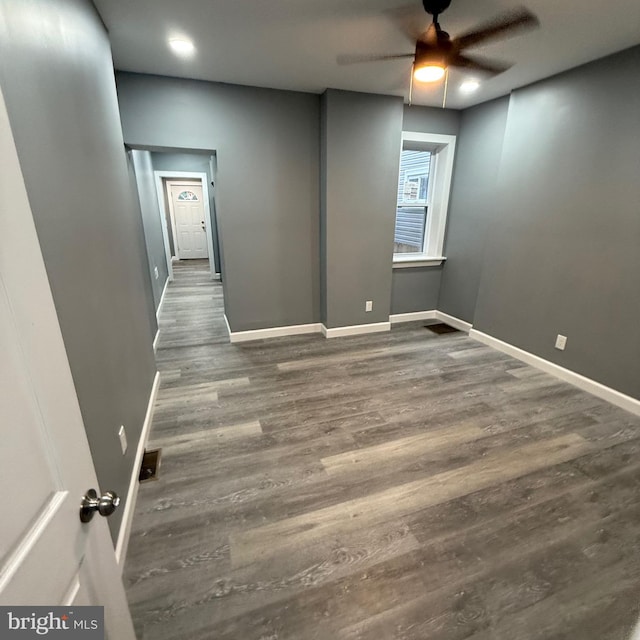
point(413, 185)
point(410, 226)
point(411, 212)
point(187, 195)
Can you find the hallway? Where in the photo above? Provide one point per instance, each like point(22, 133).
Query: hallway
point(393, 485)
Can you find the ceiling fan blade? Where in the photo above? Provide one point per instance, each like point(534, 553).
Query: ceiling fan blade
point(503, 26)
point(409, 19)
point(492, 67)
point(356, 58)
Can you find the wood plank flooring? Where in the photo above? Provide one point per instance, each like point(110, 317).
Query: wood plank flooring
point(401, 485)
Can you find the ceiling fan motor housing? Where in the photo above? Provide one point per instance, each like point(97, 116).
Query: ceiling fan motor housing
point(429, 55)
point(435, 7)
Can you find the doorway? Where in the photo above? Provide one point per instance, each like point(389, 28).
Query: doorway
point(183, 198)
point(186, 210)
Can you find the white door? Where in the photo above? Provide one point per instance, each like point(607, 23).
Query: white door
point(188, 218)
point(47, 556)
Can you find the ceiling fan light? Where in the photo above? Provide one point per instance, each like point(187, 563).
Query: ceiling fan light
point(429, 73)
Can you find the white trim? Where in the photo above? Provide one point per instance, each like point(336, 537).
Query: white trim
point(226, 321)
point(273, 332)
point(453, 321)
point(30, 539)
point(355, 329)
point(172, 219)
point(163, 226)
point(433, 140)
point(186, 175)
point(416, 260)
point(582, 382)
point(442, 148)
point(155, 340)
point(396, 318)
point(132, 494)
point(72, 591)
point(164, 290)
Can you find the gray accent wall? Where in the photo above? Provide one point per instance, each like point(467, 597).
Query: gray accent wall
point(561, 254)
point(472, 205)
point(361, 138)
point(431, 120)
point(151, 222)
point(267, 192)
point(323, 209)
point(57, 78)
point(415, 289)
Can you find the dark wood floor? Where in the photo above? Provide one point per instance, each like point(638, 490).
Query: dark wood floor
point(401, 485)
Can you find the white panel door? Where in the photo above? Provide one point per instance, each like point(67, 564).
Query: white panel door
point(47, 556)
point(188, 212)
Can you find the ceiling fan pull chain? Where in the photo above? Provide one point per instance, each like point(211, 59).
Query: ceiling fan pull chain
point(446, 85)
point(411, 84)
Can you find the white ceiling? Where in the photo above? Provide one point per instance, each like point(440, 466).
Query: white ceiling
point(293, 44)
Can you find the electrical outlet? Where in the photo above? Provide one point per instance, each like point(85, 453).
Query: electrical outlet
point(155, 270)
point(368, 305)
point(122, 434)
point(561, 342)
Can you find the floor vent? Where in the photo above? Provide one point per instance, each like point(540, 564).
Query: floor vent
point(150, 465)
point(440, 328)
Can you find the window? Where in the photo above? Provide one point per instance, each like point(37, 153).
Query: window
point(187, 195)
point(412, 203)
point(424, 181)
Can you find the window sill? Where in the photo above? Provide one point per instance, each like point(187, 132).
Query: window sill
point(417, 261)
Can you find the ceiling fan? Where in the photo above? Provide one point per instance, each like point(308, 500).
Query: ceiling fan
point(435, 51)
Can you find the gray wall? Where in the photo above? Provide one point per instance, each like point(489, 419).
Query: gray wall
point(57, 78)
point(471, 206)
point(431, 120)
point(361, 151)
point(267, 193)
point(323, 209)
point(151, 223)
point(562, 252)
point(417, 288)
point(200, 163)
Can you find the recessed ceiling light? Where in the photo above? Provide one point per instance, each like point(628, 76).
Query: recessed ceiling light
point(182, 46)
point(469, 86)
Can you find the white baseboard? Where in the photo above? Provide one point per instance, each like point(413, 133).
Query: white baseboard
point(273, 332)
point(132, 494)
point(355, 329)
point(164, 291)
point(453, 321)
point(582, 382)
point(395, 318)
point(155, 340)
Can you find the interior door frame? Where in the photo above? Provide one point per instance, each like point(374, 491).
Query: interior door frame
point(160, 176)
point(168, 184)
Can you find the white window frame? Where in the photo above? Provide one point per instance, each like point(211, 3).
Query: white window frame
point(442, 148)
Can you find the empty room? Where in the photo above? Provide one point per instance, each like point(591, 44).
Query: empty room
point(320, 320)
